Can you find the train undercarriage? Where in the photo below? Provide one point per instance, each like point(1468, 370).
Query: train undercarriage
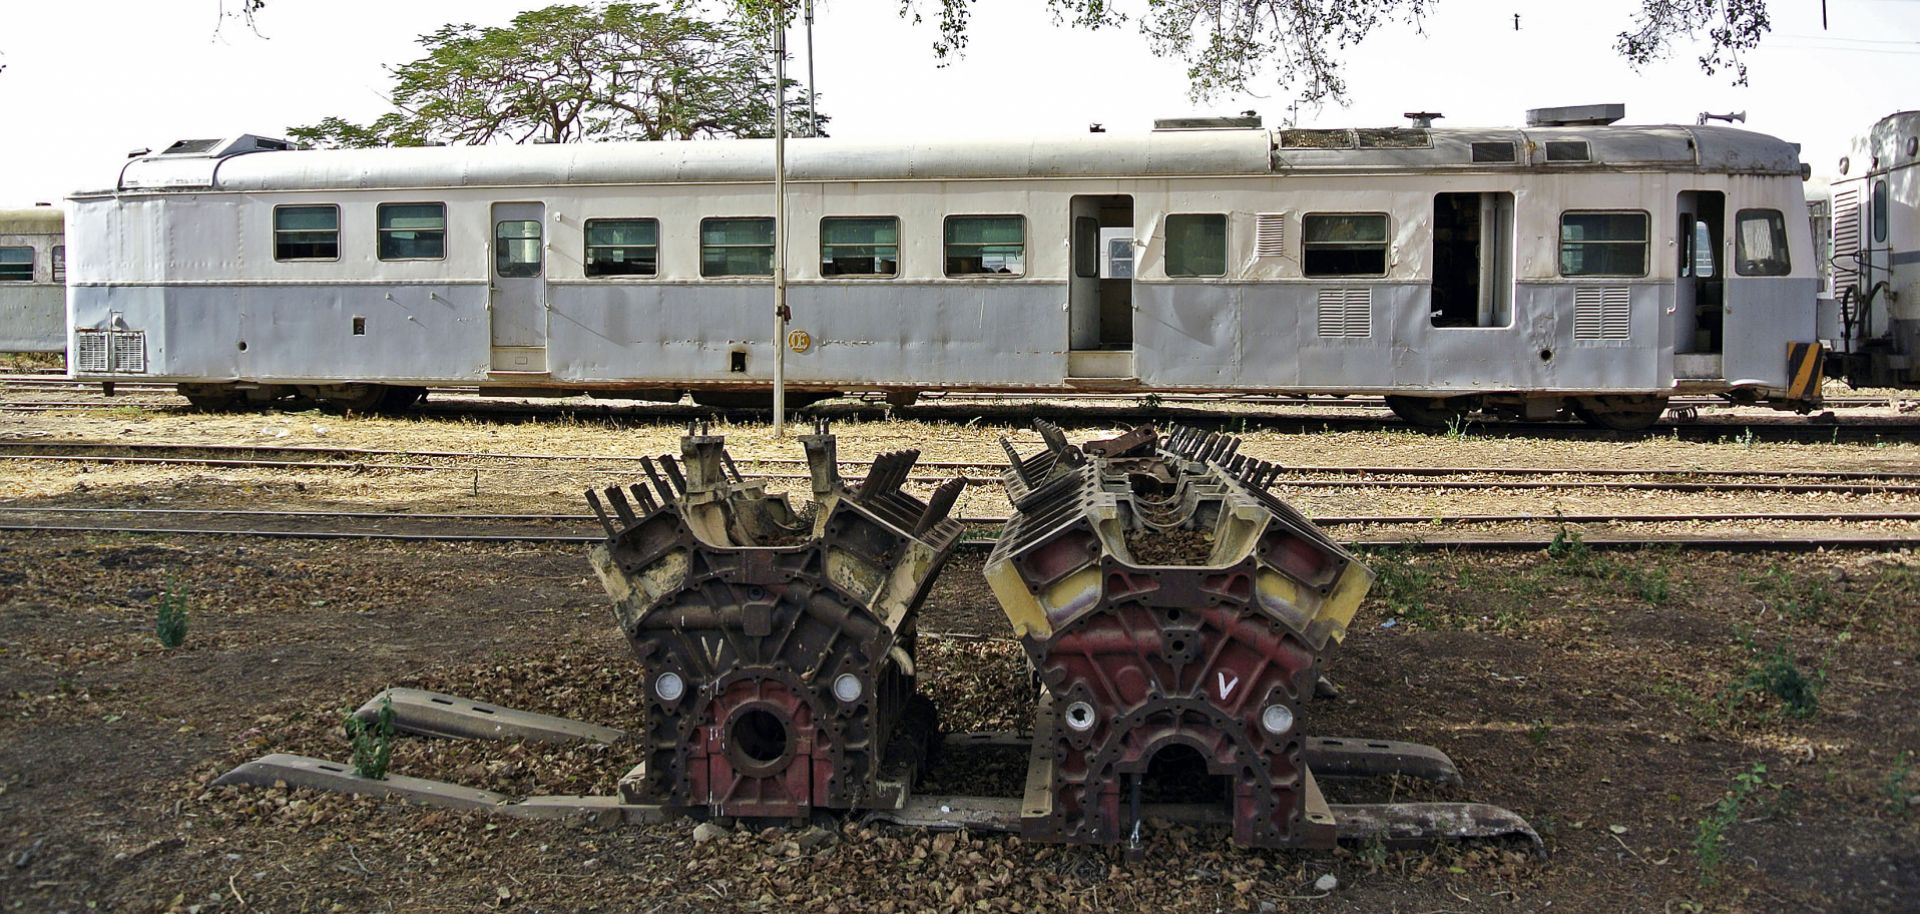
point(1177, 619)
point(1615, 412)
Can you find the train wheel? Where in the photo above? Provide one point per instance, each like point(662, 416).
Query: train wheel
point(1431, 412)
point(212, 398)
point(396, 399)
point(1620, 414)
point(359, 398)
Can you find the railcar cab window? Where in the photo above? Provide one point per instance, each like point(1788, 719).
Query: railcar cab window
point(863, 246)
point(623, 247)
point(306, 233)
point(1603, 244)
point(1760, 246)
point(1880, 209)
point(59, 263)
point(736, 247)
point(516, 248)
point(1343, 244)
point(16, 264)
point(986, 246)
point(1196, 244)
point(413, 231)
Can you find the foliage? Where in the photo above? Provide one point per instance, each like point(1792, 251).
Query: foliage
point(1403, 585)
point(571, 73)
point(1899, 793)
point(1229, 45)
point(1805, 597)
point(1568, 546)
point(372, 742)
point(1709, 843)
point(170, 620)
point(1780, 676)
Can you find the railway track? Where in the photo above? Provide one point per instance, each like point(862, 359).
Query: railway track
point(353, 459)
point(581, 529)
point(57, 382)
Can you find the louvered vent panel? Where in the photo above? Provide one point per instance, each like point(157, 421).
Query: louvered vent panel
point(91, 357)
point(1846, 222)
point(1270, 234)
point(1602, 314)
point(1346, 313)
point(129, 351)
point(110, 351)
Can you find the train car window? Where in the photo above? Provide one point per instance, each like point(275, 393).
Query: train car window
point(1880, 210)
point(986, 245)
point(413, 231)
point(1086, 247)
point(306, 233)
point(59, 263)
point(16, 264)
point(1344, 244)
point(736, 247)
point(623, 247)
point(1603, 244)
point(516, 248)
point(1568, 151)
point(859, 246)
point(1196, 245)
point(1760, 245)
point(1495, 152)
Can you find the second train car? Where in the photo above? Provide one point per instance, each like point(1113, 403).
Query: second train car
point(1572, 265)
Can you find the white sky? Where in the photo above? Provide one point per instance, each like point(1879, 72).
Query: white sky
point(88, 80)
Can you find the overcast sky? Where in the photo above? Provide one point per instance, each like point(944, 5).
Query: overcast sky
point(88, 80)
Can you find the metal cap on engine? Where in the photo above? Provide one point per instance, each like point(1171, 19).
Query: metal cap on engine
point(1576, 116)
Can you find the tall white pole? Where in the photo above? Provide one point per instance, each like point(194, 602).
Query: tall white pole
point(813, 117)
point(780, 219)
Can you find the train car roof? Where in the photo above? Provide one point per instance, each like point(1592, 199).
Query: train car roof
point(1177, 153)
point(36, 221)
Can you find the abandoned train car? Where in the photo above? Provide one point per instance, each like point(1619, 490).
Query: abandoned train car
point(1572, 264)
point(1872, 322)
point(33, 280)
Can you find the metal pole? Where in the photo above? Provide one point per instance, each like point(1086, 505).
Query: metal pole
point(813, 118)
point(780, 219)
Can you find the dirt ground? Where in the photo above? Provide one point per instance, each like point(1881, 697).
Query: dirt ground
point(1689, 731)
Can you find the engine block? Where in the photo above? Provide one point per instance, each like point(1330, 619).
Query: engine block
point(777, 643)
point(1166, 599)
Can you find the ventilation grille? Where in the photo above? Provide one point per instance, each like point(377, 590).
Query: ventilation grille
point(1602, 314)
point(1346, 313)
point(1270, 234)
point(1846, 222)
point(110, 351)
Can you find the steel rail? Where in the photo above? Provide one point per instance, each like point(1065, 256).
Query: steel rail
point(1320, 520)
point(989, 467)
point(1774, 542)
point(233, 463)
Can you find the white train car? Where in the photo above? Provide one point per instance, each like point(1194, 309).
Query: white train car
point(33, 280)
point(1872, 323)
point(1573, 265)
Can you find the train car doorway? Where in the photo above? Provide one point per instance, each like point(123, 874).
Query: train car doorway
point(1700, 288)
point(1100, 292)
point(517, 290)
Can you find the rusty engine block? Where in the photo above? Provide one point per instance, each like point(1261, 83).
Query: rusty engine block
point(777, 644)
point(1166, 599)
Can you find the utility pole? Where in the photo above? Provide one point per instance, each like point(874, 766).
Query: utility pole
point(780, 219)
point(813, 117)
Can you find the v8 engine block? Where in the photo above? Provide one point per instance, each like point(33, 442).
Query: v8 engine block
point(1166, 599)
point(777, 644)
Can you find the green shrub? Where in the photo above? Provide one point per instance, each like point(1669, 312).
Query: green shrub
point(170, 621)
point(372, 742)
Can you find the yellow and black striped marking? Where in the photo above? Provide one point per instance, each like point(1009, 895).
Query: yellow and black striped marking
point(1803, 366)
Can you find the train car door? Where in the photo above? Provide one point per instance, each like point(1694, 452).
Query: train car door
point(1699, 286)
point(1099, 297)
point(517, 291)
